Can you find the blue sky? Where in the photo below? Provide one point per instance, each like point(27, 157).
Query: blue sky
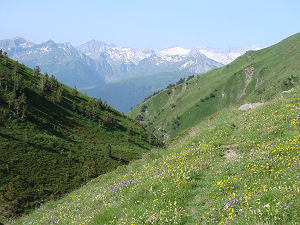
point(152, 23)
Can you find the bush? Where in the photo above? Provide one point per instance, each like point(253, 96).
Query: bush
point(143, 108)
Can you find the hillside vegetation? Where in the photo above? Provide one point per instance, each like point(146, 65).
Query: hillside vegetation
point(238, 167)
point(257, 76)
point(53, 138)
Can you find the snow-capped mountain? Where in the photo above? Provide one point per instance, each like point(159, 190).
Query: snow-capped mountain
point(68, 64)
point(224, 55)
point(97, 62)
point(129, 62)
point(122, 60)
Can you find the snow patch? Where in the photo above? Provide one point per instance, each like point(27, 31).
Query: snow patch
point(175, 51)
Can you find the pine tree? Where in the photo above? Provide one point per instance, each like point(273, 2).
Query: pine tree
point(2, 77)
point(24, 109)
point(53, 83)
point(127, 135)
point(36, 71)
point(99, 103)
point(42, 85)
point(20, 103)
point(74, 106)
point(18, 82)
point(11, 98)
point(108, 150)
point(16, 68)
point(5, 58)
point(59, 94)
point(81, 107)
point(74, 91)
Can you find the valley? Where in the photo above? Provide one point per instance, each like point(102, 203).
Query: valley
point(220, 162)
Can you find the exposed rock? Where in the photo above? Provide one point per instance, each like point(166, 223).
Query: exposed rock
point(249, 71)
point(230, 154)
point(246, 107)
point(228, 146)
point(288, 91)
point(151, 219)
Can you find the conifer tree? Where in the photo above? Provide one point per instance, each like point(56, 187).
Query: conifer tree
point(99, 103)
point(108, 150)
point(2, 77)
point(11, 98)
point(15, 69)
point(53, 83)
point(81, 107)
point(127, 135)
point(18, 82)
point(74, 91)
point(36, 71)
point(19, 103)
point(24, 109)
point(74, 106)
point(42, 85)
point(59, 94)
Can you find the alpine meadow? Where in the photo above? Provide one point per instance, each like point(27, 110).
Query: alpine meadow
point(150, 112)
point(226, 149)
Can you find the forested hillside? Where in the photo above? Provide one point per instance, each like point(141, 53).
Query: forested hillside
point(54, 139)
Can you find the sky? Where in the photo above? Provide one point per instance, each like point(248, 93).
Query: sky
point(152, 23)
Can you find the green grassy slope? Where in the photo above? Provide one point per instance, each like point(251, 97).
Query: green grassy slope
point(236, 168)
point(257, 76)
point(53, 139)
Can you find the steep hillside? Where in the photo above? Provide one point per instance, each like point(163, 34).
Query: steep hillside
point(54, 139)
point(236, 168)
point(257, 76)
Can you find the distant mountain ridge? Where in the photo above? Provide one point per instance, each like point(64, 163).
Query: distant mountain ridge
point(95, 64)
point(129, 62)
point(68, 64)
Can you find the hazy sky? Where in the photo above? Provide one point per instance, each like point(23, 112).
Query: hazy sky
point(152, 23)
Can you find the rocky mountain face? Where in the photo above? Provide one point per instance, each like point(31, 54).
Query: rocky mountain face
point(128, 62)
point(68, 64)
point(97, 62)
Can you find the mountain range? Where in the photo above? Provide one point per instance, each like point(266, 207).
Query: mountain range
point(94, 64)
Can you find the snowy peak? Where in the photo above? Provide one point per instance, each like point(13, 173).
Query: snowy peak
point(225, 55)
point(114, 54)
point(177, 50)
point(15, 45)
point(92, 46)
